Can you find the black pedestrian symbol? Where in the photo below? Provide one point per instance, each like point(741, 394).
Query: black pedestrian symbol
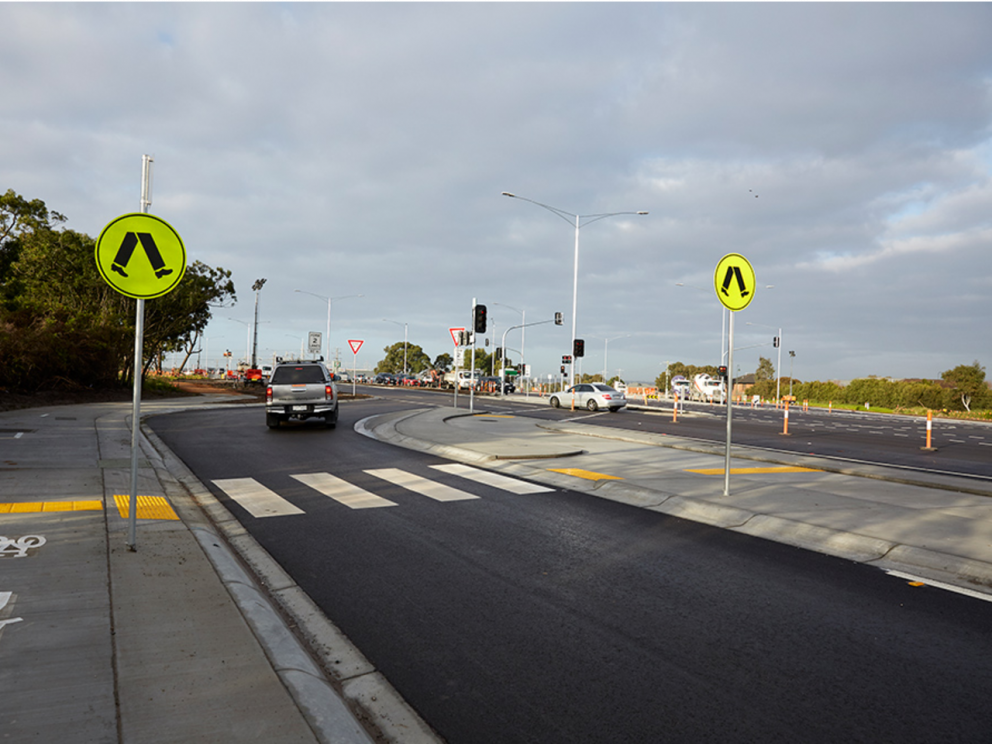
point(151, 250)
point(733, 271)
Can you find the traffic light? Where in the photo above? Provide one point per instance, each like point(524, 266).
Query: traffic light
point(579, 347)
point(566, 359)
point(563, 369)
point(723, 372)
point(480, 319)
point(558, 319)
point(775, 341)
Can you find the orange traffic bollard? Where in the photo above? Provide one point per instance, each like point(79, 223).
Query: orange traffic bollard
point(675, 409)
point(785, 426)
point(929, 448)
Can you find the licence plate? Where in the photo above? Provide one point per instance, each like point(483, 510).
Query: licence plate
point(299, 408)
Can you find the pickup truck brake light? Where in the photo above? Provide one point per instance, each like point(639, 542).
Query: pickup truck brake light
point(328, 392)
point(268, 394)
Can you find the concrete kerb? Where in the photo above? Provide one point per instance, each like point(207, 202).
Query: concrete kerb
point(340, 692)
point(884, 554)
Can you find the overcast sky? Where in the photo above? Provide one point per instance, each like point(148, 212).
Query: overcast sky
point(362, 148)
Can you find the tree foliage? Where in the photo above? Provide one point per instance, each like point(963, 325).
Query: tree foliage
point(967, 383)
point(62, 325)
point(416, 359)
point(765, 371)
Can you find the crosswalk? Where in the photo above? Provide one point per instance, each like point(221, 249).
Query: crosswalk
point(261, 501)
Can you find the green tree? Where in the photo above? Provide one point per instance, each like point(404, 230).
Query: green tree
point(416, 359)
point(765, 371)
point(62, 324)
point(967, 382)
point(443, 362)
point(65, 325)
point(175, 321)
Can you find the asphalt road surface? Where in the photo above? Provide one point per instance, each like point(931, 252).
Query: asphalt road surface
point(556, 616)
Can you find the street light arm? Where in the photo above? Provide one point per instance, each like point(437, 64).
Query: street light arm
point(569, 217)
point(590, 218)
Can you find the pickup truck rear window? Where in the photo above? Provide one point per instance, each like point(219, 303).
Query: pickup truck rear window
point(297, 375)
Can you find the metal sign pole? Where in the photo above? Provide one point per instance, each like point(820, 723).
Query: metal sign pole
point(139, 342)
point(730, 409)
point(471, 379)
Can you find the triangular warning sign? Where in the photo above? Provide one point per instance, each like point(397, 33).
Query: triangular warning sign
point(355, 344)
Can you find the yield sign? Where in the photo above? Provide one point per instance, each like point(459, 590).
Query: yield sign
point(454, 334)
point(355, 344)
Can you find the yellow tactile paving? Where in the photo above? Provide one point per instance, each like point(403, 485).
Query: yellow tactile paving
point(587, 474)
point(755, 471)
point(28, 507)
point(149, 507)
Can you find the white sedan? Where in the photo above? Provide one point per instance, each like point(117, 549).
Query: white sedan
point(591, 395)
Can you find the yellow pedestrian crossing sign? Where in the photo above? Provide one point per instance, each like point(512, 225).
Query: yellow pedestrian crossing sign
point(141, 256)
point(734, 281)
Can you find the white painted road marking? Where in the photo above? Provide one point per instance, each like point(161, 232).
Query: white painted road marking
point(423, 486)
point(342, 491)
point(491, 479)
point(941, 585)
point(258, 500)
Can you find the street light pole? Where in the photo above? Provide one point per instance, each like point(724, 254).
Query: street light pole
point(577, 221)
point(328, 300)
point(256, 288)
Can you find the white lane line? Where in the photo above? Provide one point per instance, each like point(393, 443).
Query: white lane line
point(258, 500)
point(495, 480)
point(342, 491)
point(941, 585)
point(423, 486)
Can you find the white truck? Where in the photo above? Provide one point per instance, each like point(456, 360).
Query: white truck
point(707, 388)
point(462, 378)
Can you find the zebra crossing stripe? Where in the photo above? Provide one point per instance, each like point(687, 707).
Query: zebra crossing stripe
point(257, 500)
point(342, 491)
point(488, 478)
point(423, 486)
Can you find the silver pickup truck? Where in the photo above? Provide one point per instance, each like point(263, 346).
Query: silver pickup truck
point(300, 390)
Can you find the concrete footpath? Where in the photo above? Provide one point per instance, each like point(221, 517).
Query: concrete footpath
point(199, 636)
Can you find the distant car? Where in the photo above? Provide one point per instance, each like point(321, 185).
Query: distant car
point(593, 396)
point(384, 378)
point(301, 390)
